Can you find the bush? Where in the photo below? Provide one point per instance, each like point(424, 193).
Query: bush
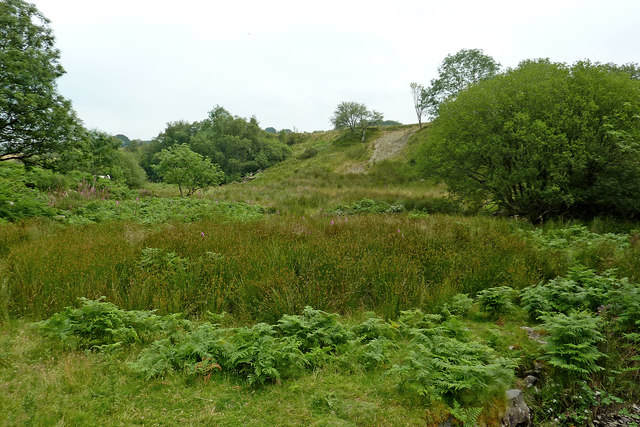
point(543, 139)
point(444, 364)
point(132, 173)
point(571, 346)
point(97, 325)
point(308, 153)
point(496, 301)
point(17, 201)
point(580, 289)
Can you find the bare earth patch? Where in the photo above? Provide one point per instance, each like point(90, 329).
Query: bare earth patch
point(387, 146)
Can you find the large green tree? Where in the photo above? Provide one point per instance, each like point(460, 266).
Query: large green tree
point(456, 73)
point(36, 122)
point(543, 139)
point(188, 169)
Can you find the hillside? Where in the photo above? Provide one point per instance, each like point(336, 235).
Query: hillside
point(327, 169)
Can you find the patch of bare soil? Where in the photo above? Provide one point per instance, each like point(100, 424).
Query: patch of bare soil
point(387, 146)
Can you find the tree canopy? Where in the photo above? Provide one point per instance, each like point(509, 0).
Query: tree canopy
point(456, 73)
point(543, 139)
point(237, 145)
point(187, 169)
point(356, 117)
point(35, 121)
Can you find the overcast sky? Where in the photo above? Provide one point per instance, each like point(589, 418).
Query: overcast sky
point(134, 65)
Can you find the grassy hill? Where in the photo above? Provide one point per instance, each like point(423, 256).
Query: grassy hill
point(327, 169)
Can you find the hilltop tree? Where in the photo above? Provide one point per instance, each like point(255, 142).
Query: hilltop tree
point(417, 93)
point(356, 117)
point(456, 73)
point(544, 139)
point(36, 122)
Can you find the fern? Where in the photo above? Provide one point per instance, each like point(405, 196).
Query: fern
point(572, 344)
point(445, 364)
point(99, 325)
point(496, 301)
point(468, 416)
point(314, 328)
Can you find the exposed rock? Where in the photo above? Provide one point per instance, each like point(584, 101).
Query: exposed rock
point(533, 335)
point(613, 417)
point(538, 368)
point(530, 381)
point(518, 413)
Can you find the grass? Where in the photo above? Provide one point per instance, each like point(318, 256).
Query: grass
point(323, 181)
point(264, 268)
point(49, 386)
point(264, 248)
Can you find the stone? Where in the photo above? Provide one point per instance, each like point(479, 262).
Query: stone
point(530, 381)
point(518, 412)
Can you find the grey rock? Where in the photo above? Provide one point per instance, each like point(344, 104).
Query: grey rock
point(533, 334)
point(530, 381)
point(518, 413)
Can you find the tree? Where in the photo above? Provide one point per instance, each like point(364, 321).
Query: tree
point(36, 122)
point(456, 73)
point(544, 139)
point(356, 117)
point(188, 169)
point(417, 92)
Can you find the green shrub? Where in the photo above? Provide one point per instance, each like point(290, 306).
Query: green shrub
point(373, 328)
point(444, 364)
point(132, 173)
point(47, 181)
point(543, 139)
point(314, 328)
point(496, 301)
point(572, 344)
point(17, 200)
point(97, 325)
point(308, 153)
point(580, 289)
point(460, 305)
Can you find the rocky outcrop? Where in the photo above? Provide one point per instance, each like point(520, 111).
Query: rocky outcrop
point(518, 413)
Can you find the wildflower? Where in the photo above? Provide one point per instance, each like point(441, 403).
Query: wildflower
point(117, 203)
point(345, 219)
point(202, 233)
point(137, 199)
point(277, 212)
point(331, 222)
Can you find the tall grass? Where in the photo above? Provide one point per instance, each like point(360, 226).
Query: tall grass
point(262, 269)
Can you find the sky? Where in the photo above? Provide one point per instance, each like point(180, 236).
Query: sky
point(135, 65)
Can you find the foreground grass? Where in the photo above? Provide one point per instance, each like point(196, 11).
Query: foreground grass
point(42, 384)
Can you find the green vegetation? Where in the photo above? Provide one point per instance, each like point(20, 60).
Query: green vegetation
point(455, 74)
point(543, 140)
point(238, 146)
point(326, 281)
point(181, 166)
point(356, 117)
point(36, 123)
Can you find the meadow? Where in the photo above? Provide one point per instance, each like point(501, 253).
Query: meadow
point(309, 295)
